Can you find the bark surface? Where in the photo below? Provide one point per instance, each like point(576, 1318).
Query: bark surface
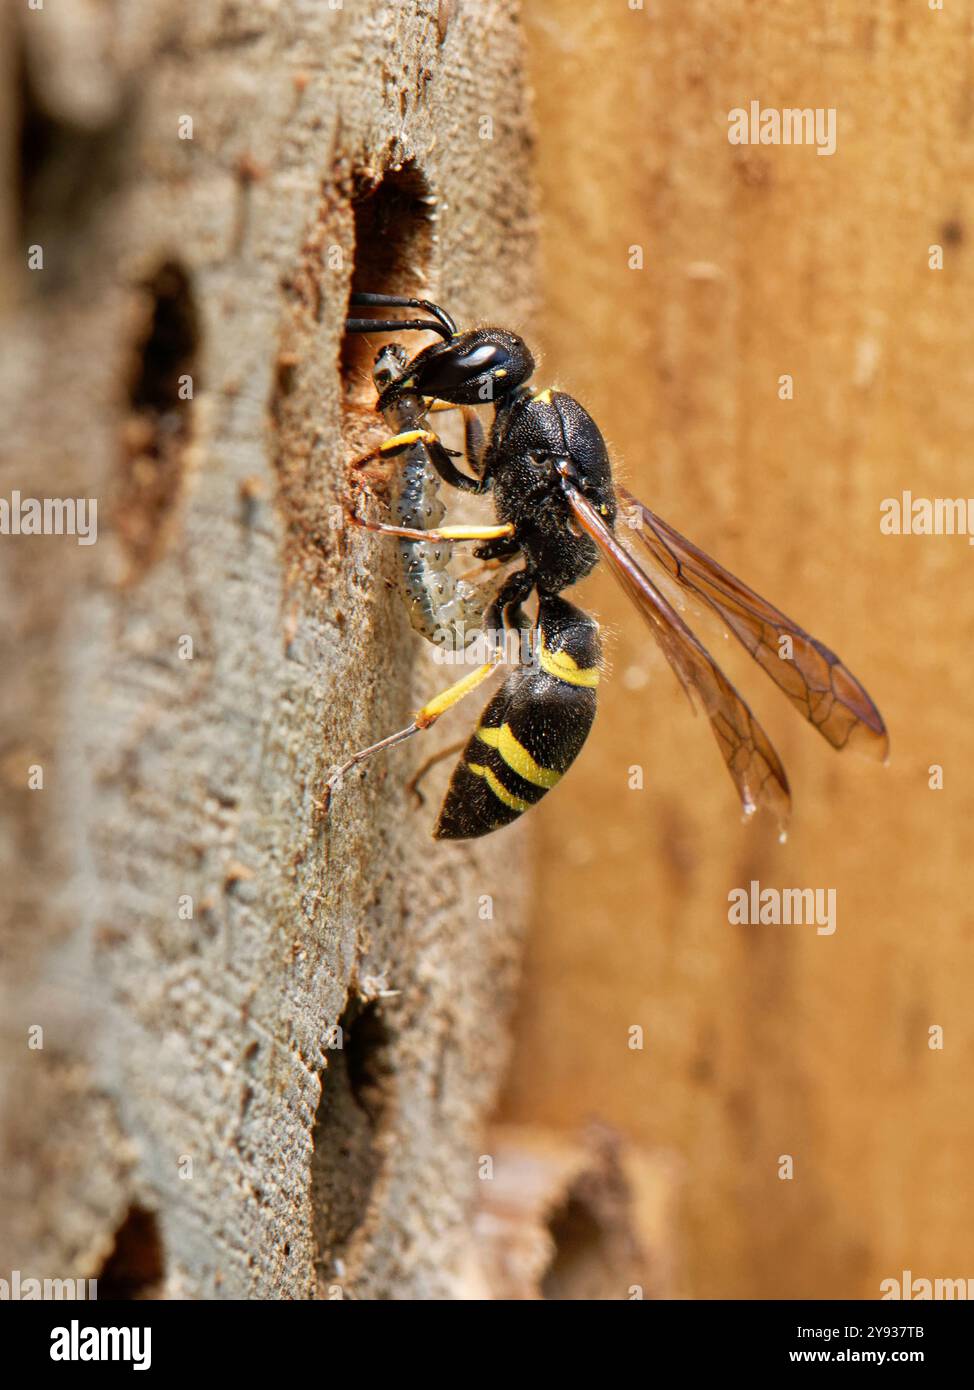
point(269, 1038)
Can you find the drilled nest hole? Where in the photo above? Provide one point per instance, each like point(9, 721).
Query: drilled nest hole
point(159, 424)
point(394, 237)
point(353, 1118)
point(135, 1267)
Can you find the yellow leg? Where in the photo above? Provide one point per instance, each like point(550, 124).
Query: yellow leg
point(477, 533)
point(431, 711)
point(425, 718)
point(395, 444)
point(443, 533)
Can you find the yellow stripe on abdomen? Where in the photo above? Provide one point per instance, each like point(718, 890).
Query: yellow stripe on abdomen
point(517, 757)
point(565, 668)
point(497, 787)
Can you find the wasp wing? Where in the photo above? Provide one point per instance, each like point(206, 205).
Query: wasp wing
point(746, 749)
point(813, 677)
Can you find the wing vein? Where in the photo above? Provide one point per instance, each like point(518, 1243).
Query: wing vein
point(812, 677)
point(747, 751)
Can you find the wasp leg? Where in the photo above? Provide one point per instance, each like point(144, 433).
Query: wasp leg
point(511, 595)
point(474, 443)
point(398, 443)
point(474, 440)
point(501, 549)
point(440, 458)
point(505, 612)
point(474, 448)
point(453, 534)
point(425, 719)
point(428, 764)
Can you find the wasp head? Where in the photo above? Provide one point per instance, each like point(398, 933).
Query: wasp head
point(472, 368)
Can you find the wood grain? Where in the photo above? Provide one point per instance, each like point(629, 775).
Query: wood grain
point(190, 1065)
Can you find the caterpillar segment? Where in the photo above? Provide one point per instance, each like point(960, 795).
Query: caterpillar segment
point(446, 610)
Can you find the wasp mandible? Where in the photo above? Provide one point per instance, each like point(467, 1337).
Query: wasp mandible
point(548, 470)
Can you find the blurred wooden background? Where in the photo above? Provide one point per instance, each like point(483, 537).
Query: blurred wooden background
point(760, 261)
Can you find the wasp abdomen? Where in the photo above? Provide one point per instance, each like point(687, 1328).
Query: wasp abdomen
point(531, 731)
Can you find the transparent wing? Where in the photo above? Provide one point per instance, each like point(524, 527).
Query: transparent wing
point(747, 751)
point(816, 682)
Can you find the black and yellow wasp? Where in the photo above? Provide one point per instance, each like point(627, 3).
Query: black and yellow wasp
point(546, 464)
